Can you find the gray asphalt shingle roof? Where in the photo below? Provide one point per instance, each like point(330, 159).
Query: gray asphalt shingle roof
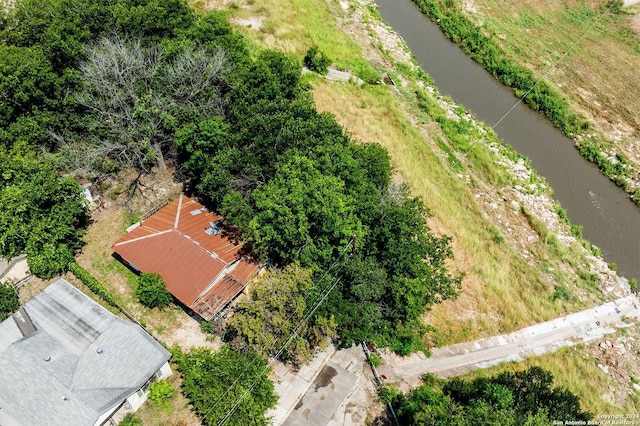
point(80, 361)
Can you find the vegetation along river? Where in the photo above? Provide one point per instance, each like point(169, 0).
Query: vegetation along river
point(609, 218)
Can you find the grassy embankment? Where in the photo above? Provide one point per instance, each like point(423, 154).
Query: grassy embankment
point(586, 56)
point(442, 163)
point(502, 291)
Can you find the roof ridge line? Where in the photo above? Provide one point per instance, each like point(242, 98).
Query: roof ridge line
point(175, 223)
point(199, 245)
point(144, 237)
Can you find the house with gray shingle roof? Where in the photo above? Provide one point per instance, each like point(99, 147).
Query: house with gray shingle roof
point(65, 360)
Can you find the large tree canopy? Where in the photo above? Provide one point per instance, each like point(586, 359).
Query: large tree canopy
point(272, 322)
point(136, 95)
point(226, 384)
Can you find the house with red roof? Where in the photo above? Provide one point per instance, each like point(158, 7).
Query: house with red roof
point(203, 266)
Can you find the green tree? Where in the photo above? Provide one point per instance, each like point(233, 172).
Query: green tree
point(227, 385)
point(152, 292)
point(41, 213)
point(302, 215)
point(130, 420)
point(135, 97)
point(526, 397)
point(27, 83)
point(276, 308)
point(9, 302)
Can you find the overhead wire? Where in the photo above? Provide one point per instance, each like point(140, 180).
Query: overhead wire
point(325, 295)
point(275, 339)
point(284, 346)
point(555, 64)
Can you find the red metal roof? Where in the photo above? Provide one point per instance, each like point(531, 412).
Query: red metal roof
point(202, 269)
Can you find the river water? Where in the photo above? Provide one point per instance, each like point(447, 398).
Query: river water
point(608, 217)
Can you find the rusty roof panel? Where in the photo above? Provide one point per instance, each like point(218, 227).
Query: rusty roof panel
point(220, 294)
point(186, 268)
point(173, 243)
point(244, 270)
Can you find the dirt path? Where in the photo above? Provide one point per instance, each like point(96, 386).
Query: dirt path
point(570, 330)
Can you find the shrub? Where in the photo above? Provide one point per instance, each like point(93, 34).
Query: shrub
point(561, 293)
point(160, 392)
point(129, 420)
point(375, 360)
point(152, 292)
point(316, 60)
point(93, 284)
point(9, 302)
point(615, 6)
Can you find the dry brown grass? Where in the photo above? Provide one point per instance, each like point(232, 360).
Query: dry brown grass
point(171, 325)
point(501, 291)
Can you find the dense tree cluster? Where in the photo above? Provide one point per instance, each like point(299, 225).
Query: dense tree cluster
point(300, 190)
point(41, 213)
point(102, 85)
point(123, 84)
point(525, 397)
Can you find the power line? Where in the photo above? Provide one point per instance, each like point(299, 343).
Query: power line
point(553, 65)
point(284, 346)
point(275, 339)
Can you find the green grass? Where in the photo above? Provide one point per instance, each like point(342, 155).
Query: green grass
point(585, 58)
point(296, 25)
point(444, 161)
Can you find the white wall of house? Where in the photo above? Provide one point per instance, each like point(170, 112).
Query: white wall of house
point(104, 419)
point(136, 399)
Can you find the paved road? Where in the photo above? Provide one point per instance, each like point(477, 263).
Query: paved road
point(569, 330)
point(332, 389)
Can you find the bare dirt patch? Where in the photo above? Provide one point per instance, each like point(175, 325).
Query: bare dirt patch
point(253, 22)
point(186, 333)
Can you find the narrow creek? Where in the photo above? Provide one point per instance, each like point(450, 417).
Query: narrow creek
point(608, 217)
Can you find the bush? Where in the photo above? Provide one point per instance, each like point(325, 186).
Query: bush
point(9, 302)
point(160, 392)
point(316, 60)
point(93, 284)
point(375, 360)
point(561, 293)
point(226, 383)
point(152, 292)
